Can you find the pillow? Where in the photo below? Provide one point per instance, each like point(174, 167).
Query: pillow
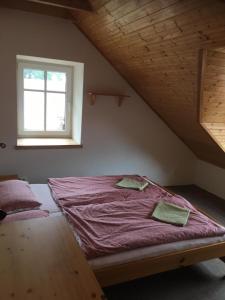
point(16, 195)
point(25, 215)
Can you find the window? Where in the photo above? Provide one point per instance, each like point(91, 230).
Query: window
point(48, 105)
point(44, 100)
point(212, 94)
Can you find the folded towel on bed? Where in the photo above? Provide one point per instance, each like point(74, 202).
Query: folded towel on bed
point(171, 213)
point(129, 183)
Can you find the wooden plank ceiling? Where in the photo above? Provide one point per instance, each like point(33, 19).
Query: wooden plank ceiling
point(155, 45)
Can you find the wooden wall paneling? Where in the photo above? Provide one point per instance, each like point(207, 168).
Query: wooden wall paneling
point(201, 78)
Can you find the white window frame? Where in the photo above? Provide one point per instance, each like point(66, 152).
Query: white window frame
point(43, 66)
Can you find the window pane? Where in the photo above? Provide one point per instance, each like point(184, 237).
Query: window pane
point(33, 79)
point(55, 112)
point(34, 111)
point(56, 81)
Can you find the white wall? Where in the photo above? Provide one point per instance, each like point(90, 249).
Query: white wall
point(210, 178)
point(129, 139)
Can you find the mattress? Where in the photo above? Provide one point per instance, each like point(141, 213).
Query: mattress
point(44, 196)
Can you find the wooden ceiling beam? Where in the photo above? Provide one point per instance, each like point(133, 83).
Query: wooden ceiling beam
point(67, 4)
point(58, 10)
point(36, 8)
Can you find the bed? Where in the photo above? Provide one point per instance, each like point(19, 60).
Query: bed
point(136, 263)
point(132, 264)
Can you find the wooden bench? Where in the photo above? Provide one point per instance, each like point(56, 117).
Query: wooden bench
point(40, 259)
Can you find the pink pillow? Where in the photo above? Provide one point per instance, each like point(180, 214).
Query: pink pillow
point(16, 195)
point(25, 215)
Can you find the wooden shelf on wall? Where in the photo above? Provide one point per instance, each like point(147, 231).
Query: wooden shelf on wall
point(93, 96)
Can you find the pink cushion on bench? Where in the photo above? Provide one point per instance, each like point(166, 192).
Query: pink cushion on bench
point(16, 195)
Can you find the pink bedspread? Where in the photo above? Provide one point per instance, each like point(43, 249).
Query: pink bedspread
point(79, 190)
point(69, 187)
point(109, 220)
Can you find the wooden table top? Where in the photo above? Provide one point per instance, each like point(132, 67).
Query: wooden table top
point(40, 259)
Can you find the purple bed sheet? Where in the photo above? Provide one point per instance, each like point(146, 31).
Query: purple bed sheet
point(109, 220)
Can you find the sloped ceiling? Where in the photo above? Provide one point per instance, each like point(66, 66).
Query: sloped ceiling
point(155, 45)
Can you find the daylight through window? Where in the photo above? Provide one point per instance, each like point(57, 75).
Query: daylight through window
point(45, 93)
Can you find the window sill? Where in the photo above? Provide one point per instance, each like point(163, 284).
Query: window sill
point(46, 143)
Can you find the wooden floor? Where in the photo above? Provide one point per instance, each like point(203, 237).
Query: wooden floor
point(199, 282)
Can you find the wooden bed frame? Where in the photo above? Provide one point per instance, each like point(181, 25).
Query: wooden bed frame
point(152, 265)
